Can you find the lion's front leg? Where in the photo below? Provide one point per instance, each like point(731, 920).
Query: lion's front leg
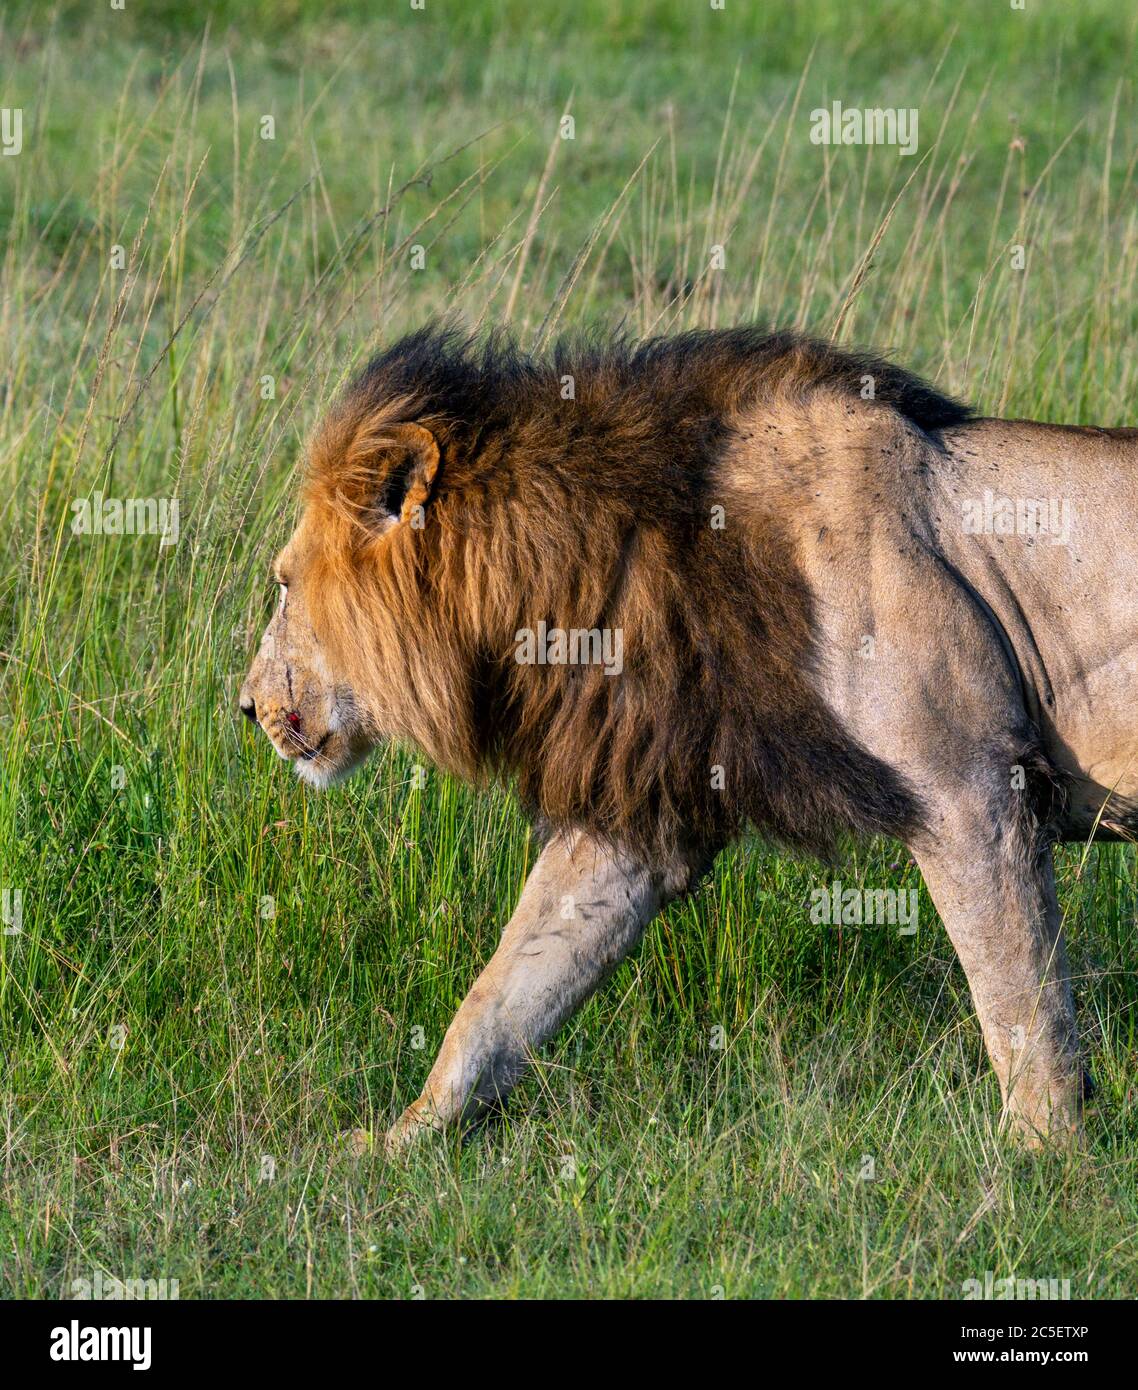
point(993, 883)
point(583, 908)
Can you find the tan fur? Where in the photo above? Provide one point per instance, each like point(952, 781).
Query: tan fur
point(838, 656)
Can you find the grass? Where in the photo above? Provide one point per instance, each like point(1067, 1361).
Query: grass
point(216, 973)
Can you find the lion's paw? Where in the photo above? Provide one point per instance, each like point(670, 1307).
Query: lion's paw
point(414, 1121)
point(356, 1143)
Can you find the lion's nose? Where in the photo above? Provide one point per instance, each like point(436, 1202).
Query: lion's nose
point(249, 710)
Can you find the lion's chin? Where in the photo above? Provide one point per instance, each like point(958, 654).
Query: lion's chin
point(328, 769)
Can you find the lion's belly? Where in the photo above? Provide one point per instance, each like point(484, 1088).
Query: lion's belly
point(1093, 736)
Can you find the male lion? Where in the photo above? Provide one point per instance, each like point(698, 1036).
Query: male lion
point(827, 622)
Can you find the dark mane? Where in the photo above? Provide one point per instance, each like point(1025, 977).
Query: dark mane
point(574, 490)
point(452, 374)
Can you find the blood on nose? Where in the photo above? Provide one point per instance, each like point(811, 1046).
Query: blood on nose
point(293, 719)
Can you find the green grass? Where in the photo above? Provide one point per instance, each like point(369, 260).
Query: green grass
point(214, 967)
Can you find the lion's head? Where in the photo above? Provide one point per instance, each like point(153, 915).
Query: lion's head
point(311, 716)
point(336, 642)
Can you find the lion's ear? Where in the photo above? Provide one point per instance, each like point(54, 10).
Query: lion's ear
point(409, 462)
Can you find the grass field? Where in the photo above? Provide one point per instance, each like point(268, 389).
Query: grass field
point(209, 973)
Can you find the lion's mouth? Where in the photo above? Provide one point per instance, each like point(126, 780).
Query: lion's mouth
point(316, 749)
point(297, 746)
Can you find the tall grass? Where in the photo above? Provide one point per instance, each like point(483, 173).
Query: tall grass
point(216, 973)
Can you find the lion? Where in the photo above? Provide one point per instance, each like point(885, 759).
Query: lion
point(729, 580)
